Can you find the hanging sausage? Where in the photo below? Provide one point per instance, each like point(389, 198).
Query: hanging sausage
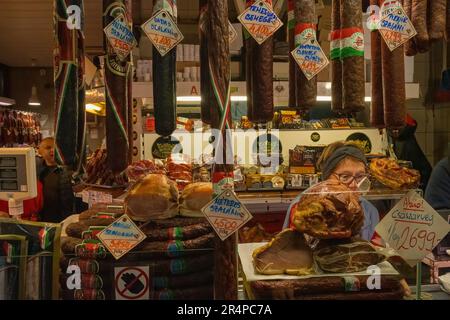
point(66, 86)
point(205, 80)
point(336, 64)
point(292, 63)
point(352, 55)
point(259, 67)
point(419, 19)
point(410, 45)
point(81, 136)
point(376, 105)
point(117, 92)
point(393, 68)
point(437, 15)
point(305, 17)
point(165, 83)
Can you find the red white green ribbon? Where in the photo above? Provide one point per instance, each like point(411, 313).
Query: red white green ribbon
point(347, 43)
point(304, 31)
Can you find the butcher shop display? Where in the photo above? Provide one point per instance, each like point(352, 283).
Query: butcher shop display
point(179, 253)
point(389, 173)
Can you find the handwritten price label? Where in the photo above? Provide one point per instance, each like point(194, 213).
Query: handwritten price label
point(413, 228)
point(121, 236)
point(226, 214)
point(260, 21)
point(120, 37)
point(163, 32)
point(310, 57)
point(394, 25)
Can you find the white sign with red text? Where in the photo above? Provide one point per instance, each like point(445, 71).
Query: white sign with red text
point(413, 228)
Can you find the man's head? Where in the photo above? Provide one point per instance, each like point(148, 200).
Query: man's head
point(47, 151)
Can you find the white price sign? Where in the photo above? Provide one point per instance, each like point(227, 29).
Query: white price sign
point(121, 236)
point(394, 25)
point(226, 214)
point(120, 37)
point(163, 32)
point(260, 21)
point(413, 228)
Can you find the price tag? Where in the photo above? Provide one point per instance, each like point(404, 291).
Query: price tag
point(232, 32)
point(121, 37)
point(260, 21)
point(121, 236)
point(394, 25)
point(310, 57)
point(413, 228)
point(226, 214)
point(163, 32)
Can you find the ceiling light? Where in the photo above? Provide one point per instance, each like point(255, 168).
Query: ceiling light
point(34, 100)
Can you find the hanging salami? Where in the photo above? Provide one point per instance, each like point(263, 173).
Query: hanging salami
point(437, 16)
point(305, 17)
point(164, 84)
point(352, 55)
point(292, 63)
point(205, 81)
point(81, 136)
point(117, 72)
point(66, 86)
point(219, 65)
point(419, 19)
point(410, 45)
point(336, 64)
point(376, 106)
point(393, 68)
point(260, 77)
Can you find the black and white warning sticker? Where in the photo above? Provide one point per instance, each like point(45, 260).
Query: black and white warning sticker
point(132, 283)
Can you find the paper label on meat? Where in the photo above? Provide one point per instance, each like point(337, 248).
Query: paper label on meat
point(121, 37)
point(413, 228)
point(310, 57)
point(394, 25)
point(226, 214)
point(121, 236)
point(163, 32)
point(260, 21)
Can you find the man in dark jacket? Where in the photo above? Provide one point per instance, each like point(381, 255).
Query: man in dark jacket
point(57, 186)
point(438, 190)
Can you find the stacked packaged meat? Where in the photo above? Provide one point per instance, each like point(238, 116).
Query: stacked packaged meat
point(178, 249)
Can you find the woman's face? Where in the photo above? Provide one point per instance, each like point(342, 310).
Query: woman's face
point(350, 172)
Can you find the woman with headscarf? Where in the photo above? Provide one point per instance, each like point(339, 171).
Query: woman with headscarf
point(347, 164)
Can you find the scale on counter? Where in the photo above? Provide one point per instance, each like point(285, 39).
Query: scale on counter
point(17, 178)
